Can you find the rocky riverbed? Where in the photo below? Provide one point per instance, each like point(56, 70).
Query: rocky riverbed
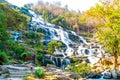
point(21, 71)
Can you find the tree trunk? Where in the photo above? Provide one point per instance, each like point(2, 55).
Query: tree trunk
point(115, 60)
point(115, 54)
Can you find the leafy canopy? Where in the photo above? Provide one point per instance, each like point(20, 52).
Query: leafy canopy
point(108, 25)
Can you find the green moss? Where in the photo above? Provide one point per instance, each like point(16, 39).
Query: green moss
point(79, 68)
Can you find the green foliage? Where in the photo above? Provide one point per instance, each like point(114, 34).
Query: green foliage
point(2, 19)
point(52, 45)
point(24, 54)
point(59, 21)
point(39, 57)
point(33, 35)
point(47, 61)
point(10, 19)
point(18, 50)
point(34, 39)
point(45, 15)
point(111, 30)
point(14, 19)
point(108, 30)
point(79, 68)
point(41, 30)
point(39, 73)
point(4, 36)
point(20, 62)
point(3, 57)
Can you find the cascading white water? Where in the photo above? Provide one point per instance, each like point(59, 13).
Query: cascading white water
point(16, 36)
point(92, 51)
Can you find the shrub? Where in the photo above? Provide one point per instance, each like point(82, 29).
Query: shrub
point(39, 73)
point(3, 57)
point(18, 50)
point(47, 61)
point(39, 57)
point(52, 45)
point(79, 68)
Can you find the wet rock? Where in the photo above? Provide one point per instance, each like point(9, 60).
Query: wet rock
point(0, 70)
point(114, 73)
point(63, 78)
point(107, 75)
point(99, 76)
point(118, 75)
point(87, 60)
point(87, 52)
point(75, 76)
point(91, 75)
point(4, 69)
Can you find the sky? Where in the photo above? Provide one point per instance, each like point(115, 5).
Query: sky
point(81, 5)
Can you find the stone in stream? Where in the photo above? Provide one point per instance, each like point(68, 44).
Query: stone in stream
point(118, 75)
point(114, 73)
point(107, 75)
point(91, 75)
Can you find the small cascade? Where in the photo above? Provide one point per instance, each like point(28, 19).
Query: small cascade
point(57, 60)
point(16, 36)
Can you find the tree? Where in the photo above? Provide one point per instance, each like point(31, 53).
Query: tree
point(3, 32)
point(108, 29)
point(52, 45)
point(59, 21)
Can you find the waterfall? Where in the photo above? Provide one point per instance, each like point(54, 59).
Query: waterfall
point(92, 51)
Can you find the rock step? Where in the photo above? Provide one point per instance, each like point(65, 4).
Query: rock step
point(18, 68)
point(12, 79)
point(20, 72)
point(18, 76)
